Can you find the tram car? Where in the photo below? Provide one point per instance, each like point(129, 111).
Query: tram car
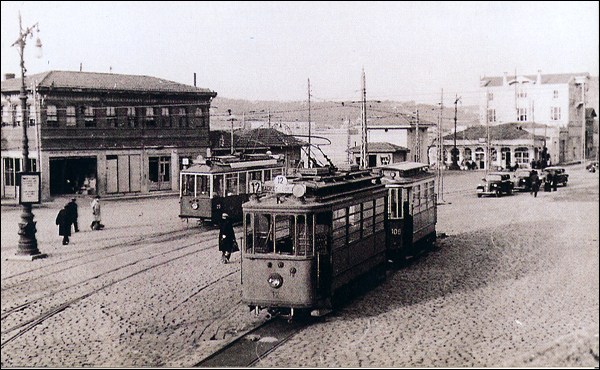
point(310, 237)
point(221, 184)
point(412, 209)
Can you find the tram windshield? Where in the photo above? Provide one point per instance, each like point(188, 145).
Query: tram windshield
point(194, 185)
point(279, 234)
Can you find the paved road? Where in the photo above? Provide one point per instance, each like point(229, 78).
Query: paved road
point(514, 283)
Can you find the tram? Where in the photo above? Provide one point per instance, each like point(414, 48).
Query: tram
point(412, 209)
point(309, 237)
point(222, 183)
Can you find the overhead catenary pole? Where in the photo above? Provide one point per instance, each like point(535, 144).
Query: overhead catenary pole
point(418, 141)
point(363, 145)
point(487, 131)
point(441, 150)
point(308, 164)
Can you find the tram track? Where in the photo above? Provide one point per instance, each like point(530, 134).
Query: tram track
point(251, 347)
point(27, 324)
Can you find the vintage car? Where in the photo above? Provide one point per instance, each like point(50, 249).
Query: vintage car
point(495, 183)
point(562, 177)
point(592, 166)
point(521, 179)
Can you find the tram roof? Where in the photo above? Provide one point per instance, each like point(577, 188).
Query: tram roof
point(405, 166)
point(229, 163)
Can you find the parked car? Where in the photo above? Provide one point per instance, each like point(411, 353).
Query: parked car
point(521, 179)
point(562, 177)
point(495, 183)
point(592, 166)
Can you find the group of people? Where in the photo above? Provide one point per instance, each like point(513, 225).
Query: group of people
point(67, 218)
point(550, 183)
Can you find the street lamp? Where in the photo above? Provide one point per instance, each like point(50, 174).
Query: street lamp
point(231, 118)
point(27, 247)
point(454, 151)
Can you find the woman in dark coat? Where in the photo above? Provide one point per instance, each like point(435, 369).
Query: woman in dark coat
point(227, 243)
point(64, 225)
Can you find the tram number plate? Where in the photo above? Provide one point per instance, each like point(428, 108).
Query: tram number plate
point(396, 231)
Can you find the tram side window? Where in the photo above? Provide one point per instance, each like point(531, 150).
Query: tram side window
point(249, 227)
point(303, 235)
point(432, 192)
point(354, 223)
point(264, 233)
point(255, 175)
point(417, 199)
point(202, 185)
point(231, 184)
point(218, 186)
point(339, 228)
point(284, 234)
point(242, 183)
point(379, 214)
point(187, 185)
point(268, 175)
point(367, 218)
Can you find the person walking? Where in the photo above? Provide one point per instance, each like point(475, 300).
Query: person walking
point(96, 224)
point(227, 242)
point(534, 180)
point(72, 214)
point(64, 225)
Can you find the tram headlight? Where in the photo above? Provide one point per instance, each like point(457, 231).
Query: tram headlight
point(195, 206)
point(275, 281)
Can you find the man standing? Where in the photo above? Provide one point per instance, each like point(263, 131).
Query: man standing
point(227, 243)
point(96, 224)
point(64, 225)
point(72, 214)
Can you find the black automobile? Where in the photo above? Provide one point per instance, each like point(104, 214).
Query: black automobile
point(592, 166)
point(558, 173)
point(521, 179)
point(495, 183)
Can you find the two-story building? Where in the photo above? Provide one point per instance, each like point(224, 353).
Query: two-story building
point(103, 133)
point(552, 105)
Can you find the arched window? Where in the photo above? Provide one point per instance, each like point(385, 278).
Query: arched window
point(522, 155)
point(468, 154)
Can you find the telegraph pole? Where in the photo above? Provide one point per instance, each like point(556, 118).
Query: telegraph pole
point(363, 144)
point(418, 142)
point(454, 152)
point(441, 159)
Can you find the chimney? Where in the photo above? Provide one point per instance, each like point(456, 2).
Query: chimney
point(539, 77)
point(505, 79)
point(9, 76)
point(194, 79)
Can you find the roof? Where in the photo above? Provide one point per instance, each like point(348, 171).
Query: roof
point(103, 82)
point(381, 147)
point(397, 119)
point(405, 166)
point(505, 131)
point(559, 78)
point(260, 138)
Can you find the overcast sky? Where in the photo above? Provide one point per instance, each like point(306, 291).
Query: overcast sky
point(268, 50)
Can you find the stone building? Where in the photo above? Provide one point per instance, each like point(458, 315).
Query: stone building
point(103, 133)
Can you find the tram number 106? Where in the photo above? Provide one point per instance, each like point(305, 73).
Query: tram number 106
point(396, 231)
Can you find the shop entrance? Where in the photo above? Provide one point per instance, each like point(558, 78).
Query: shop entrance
point(74, 175)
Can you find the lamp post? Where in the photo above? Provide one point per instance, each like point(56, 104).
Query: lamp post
point(454, 151)
point(27, 247)
point(231, 118)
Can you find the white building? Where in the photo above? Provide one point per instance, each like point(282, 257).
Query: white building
point(551, 105)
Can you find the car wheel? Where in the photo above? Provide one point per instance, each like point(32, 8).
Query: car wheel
point(497, 193)
point(478, 195)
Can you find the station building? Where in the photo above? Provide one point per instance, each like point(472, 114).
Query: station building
point(102, 133)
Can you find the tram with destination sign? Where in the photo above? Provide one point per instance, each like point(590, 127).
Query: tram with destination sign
point(412, 209)
point(221, 184)
point(310, 237)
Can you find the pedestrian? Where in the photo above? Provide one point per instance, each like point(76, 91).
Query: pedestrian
point(64, 225)
point(227, 242)
point(534, 180)
point(555, 182)
point(96, 224)
point(72, 214)
point(548, 182)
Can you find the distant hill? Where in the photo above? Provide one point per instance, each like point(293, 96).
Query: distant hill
point(328, 114)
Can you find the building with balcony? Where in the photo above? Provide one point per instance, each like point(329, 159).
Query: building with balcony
point(103, 133)
point(552, 105)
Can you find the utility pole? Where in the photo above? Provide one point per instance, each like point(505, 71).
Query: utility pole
point(487, 131)
point(363, 144)
point(583, 122)
point(348, 142)
point(454, 152)
point(309, 128)
point(441, 160)
point(231, 118)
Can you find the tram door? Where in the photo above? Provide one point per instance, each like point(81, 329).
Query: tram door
point(407, 213)
point(323, 224)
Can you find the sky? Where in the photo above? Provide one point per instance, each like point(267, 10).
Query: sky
point(269, 50)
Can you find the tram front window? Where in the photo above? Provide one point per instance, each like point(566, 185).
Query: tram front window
point(187, 185)
point(202, 185)
point(288, 234)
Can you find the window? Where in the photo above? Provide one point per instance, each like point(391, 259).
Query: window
point(555, 94)
point(522, 155)
point(187, 184)
point(491, 115)
point(339, 228)
point(202, 185)
point(71, 116)
point(379, 214)
point(89, 117)
point(218, 186)
point(367, 217)
point(111, 117)
point(395, 202)
point(202, 116)
point(231, 184)
point(52, 115)
point(150, 117)
point(522, 93)
point(131, 118)
point(521, 114)
point(166, 116)
point(468, 154)
point(490, 96)
point(4, 116)
point(182, 117)
point(354, 223)
point(555, 113)
point(11, 167)
point(249, 227)
point(17, 115)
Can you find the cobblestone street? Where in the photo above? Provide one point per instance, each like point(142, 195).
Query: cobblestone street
point(513, 281)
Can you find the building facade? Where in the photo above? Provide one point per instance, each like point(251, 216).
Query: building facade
point(552, 105)
point(103, 133)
